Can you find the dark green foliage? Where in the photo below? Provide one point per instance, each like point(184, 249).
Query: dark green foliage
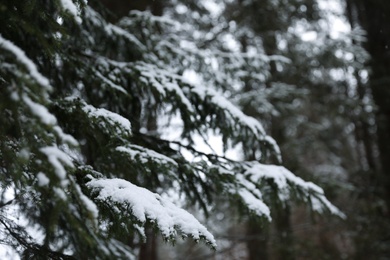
point(78, 146)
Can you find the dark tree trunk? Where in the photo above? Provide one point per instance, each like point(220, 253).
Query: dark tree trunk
point(285, 244)
point(373, 16)
point(148, 250)
point(375, 19)
point(257, 235)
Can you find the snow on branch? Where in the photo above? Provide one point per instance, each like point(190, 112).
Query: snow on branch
point(65, 138)
point(237, 186)
point(112, 30)
point(219, 100)
point(110, 83)
point(146, 205)
point(167, 85)
point(71, 8)
point(256, 205)
point(40, 111)
point(237, 117)
point(29, 64)
point(144, 154)
point(163, 80)
point(148, 16)
point(105, 120)
point(112, 119)
point(58, 159)
point(286, 181)
point(252, 197)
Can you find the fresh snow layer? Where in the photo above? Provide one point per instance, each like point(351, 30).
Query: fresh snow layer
point(65, 137)
point(111, 29)
point(255, 204)
point(40, 111)
point(145, 205)
point(284, 179)
point(144, 154)
point(110, 83)
point(111, 117)
point(236, 115)
point(43, 180)
point(22, 58)
point(252, 197)
point(225, 104)
point(90, 205)
point(57, 159)
point(69, 6)
point(163, 81)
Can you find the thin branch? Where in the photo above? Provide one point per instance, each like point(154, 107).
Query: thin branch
point(21, 236)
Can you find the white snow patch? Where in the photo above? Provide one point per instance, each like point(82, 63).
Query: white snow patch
point(43, 180)
point(110, 83)
point(111, 117)
point(255, 204)
point(65, 137)
point(145, 154)
point(60, 193)
point(21, 57)
point(284, 179)
point(57, 159)
point(69, 6)
point(231, 109)
point(309, 36)
point(281, 176)
point(111, 29)
point(163, 80)
point(231, 43)
point(252, 197)
point(181, 9)
point(213, 7)
point(190, 76)
point(147, 205)
point(335, 18)
point(40, 111)
point(91, 206)
point(24, 153)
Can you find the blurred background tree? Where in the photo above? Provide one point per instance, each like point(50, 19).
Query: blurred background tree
point(329, 120)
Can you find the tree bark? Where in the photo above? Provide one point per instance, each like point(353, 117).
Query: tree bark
point(375, 19)
point(257, 244)
point(148, 250)
point(285, 244)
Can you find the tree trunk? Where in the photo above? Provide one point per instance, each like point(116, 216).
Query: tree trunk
point(375, 19)
point(148, 250)
point(257, 244)
point(285, 244)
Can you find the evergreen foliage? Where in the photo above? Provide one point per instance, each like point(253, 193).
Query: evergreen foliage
point(86, 169)
point(314, 107)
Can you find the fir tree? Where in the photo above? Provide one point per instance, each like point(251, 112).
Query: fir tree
point(86, 175)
